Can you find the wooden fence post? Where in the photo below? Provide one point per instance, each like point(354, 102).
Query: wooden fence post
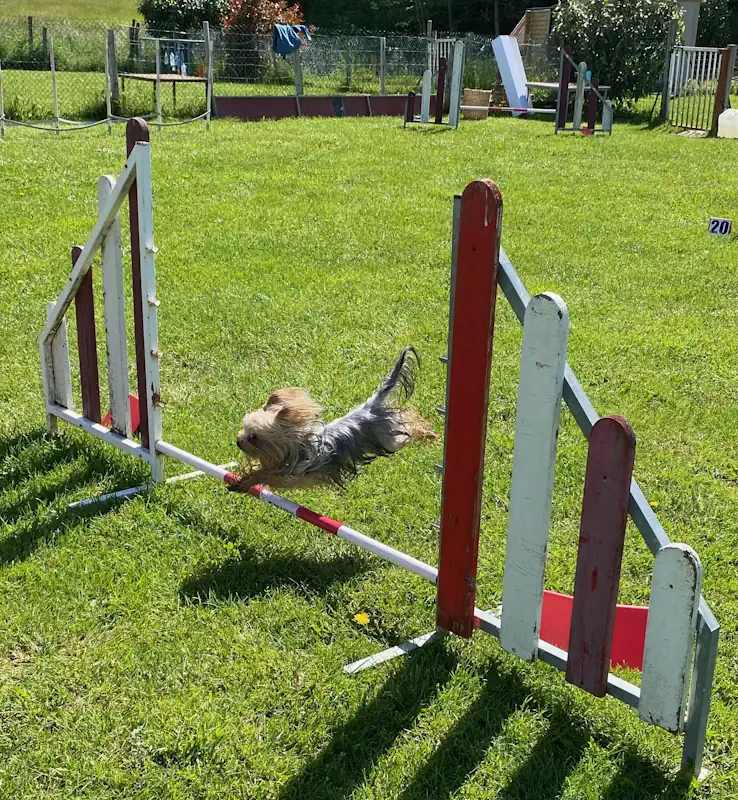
point(670, 40)
point(722, 93)
point(44, 42)
point(113, 67)
point(382, 65)
point(30, 37)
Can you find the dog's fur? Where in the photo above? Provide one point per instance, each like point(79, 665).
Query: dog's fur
point(295, 448)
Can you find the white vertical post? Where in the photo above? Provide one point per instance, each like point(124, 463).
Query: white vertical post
point(545, 335)
point(425, 97)
point(607, 116)
point(108, 99)
point(382, 65)
point(579, 97)
point(54, 98)
point(115, 316)
point(672, 620)
point(62, 385)
point(157, 85)
point(150, 304)
point(457, 83)
point(47, 375)
point(209, 52)
point(2, 104)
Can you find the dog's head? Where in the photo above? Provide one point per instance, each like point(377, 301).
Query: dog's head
point(270, 434)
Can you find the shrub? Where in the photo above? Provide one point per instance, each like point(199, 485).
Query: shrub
point(622, 41)
point(182, 15)
point(258, 16)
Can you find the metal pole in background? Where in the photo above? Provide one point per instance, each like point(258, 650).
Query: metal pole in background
point(209, 93)
point(108, 102)
point(2, 104)
point(382, 64)
point(157, 85)
point(54, 98)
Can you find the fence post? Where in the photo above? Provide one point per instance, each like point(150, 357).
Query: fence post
point(382, 64)
point(428, 43)
point(157, 85)
point(2, 104)
point(113, 66)
point(297, 64)
point(209, 85)
point(54, 98)
point(30, 37)
point(44, 42)
point(108, 101)
point(131, 41)
point(665, 91)
point(722, 92)
point(347, 59)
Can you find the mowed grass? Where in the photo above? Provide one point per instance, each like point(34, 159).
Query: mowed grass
point(103, 10)
point(189, 643)
point(81, 95)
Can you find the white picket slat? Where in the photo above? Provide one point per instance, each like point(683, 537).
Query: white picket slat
point(115, 316)
point(672, 618)
point(545, 335)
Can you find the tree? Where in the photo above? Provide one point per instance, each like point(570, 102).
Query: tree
point(259, 16)
point(622, 41)
point(182, 15)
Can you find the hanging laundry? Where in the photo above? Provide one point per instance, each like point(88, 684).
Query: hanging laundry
point(285, 38)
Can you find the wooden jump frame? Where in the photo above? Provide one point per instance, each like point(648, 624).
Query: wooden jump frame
point(479, 266)
point(457, 85)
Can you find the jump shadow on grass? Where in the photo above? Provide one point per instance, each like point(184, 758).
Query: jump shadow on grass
point(251, 576)
point(357, 746)
point(556, 754)
point(35, 455)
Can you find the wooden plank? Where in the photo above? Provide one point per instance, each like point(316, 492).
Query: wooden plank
point(115, 317)
point(138, 131)
point(150, 304)
point(601, 541)
point(440, 89)
point(592, 110)
point(104, 221)
point(457, 84)
point(425, 97)
point(60, 364)
point(470, 358)
point(579, 97)
point(721, 92)
point(545, 334)
point(672, 618)
point(562, 99)
point(84, 304)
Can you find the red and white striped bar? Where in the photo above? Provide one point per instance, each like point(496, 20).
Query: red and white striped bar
point(326, 524)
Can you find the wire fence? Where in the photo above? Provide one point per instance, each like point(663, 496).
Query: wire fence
point(34, 55)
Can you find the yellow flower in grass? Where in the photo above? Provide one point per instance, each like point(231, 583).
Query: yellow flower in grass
point(362, 618)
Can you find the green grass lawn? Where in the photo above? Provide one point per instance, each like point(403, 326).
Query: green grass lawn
point(81, 95)
point(189, 643)
point(103, 10)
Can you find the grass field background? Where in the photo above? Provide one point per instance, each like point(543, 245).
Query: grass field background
point(188, 644)
point(102, 10)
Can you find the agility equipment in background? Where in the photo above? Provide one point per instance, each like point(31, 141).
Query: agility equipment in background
point(584, 83)
point(479, 265)
point(434, 105)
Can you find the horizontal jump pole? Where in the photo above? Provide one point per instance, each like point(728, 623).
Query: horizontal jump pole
point(326, 524)
point(520, 110)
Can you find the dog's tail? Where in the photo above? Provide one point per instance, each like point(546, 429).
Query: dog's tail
point(400, 383)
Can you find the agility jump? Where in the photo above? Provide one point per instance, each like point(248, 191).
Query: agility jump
point(479, 266)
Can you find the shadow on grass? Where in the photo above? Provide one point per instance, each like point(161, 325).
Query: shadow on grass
point(251, 576)
point(31, 457)
point(357, 746)
point(641, 779)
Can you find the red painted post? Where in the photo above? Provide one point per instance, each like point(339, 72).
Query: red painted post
point(470, 359)
point(440, 88)
point(564, 77)
point(84, 305)
point(592, 109)
point(601, 539)
point(138, 131)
